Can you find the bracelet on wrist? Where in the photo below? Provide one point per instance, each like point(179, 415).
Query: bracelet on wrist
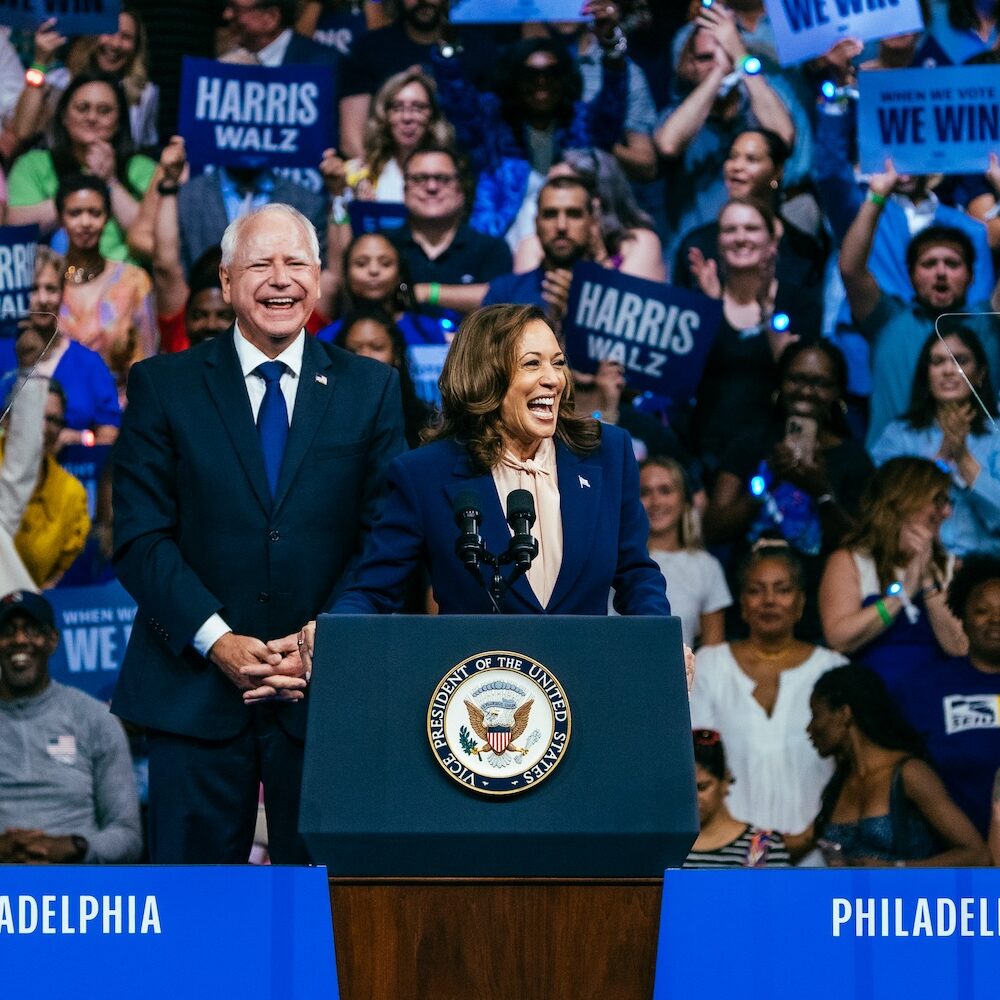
point(825, 498)
point(166, 188)
point(875, 198)
point(883, 612)
point(434, 293)
point(34, 77)
point(338, 211)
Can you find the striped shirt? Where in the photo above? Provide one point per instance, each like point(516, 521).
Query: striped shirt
point(753, 848)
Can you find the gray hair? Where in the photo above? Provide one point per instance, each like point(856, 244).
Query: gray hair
point(234, 231)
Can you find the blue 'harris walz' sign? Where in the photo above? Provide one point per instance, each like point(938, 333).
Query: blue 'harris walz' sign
point(256, 116)
point(659, 334)
point(74, 17)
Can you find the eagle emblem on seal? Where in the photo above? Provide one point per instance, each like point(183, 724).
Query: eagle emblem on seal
point(498, 724)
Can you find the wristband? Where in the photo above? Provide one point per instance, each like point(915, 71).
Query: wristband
point(825, 498)
point(34, 77)
point(434, 293)
point(875, 198)
point(338, 211)
point(166, 188)
point(883, 612)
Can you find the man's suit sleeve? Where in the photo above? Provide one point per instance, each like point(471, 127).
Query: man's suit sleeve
point(639, 585)
point(147, 558)
point(387, 442)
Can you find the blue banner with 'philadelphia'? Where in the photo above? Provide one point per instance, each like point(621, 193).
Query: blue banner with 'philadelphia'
point(830, 934)
point(257, 933)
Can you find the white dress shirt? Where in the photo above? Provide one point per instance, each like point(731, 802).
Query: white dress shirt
point(250, 357)
point(273, 53)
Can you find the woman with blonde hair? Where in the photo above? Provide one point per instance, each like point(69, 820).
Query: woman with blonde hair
point(405, 115)
point(882, 596)
point(695, 579)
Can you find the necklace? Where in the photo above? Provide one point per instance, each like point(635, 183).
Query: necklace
point(80, 276)
point(768, 657)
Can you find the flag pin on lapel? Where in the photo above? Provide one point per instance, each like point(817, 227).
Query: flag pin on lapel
point(583, 483)
point(321, 379)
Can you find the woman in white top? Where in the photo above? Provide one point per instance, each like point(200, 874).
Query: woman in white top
point(755, 692)
point(695, 579)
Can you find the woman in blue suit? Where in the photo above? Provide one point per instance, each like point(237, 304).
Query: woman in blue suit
point(507, 423)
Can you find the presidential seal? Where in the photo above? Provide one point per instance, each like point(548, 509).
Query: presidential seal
point(499, 722)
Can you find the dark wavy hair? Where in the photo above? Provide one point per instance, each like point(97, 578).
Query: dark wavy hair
point(475, 379)
point(838, 420)
point(974, 572)
point(77, 181)
point(873, 712)
point(415, 413)
point(509, 74)
point(923, 408)
point(63, 159)
point(350, 303)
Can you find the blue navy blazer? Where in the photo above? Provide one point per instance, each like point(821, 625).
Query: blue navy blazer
point(605, 534)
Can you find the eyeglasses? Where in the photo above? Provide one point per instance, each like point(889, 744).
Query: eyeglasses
point(425, 180)
point(705, 737)
point(419, 109)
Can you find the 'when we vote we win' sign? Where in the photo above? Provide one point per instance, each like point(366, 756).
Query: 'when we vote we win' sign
point(944, 120)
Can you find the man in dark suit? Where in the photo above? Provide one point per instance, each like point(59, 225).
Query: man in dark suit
point(230, 534)
point(265, 28)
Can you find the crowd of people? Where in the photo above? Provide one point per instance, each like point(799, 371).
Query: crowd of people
point(824, 510)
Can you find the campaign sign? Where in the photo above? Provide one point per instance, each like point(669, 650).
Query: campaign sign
point(121, 932)
point(17, 272)
point(804, 29)
point(75, 17)
point(942, 121)
point(659, 334)
point(95, 624)
point(864, 933)
point(514, 11)
point(376, 216)
point(256, 116)
point(87, 463)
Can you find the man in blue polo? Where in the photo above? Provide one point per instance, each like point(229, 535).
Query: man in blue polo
point(565, 224)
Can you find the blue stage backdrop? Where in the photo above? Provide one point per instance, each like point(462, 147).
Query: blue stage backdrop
point(830, 934)
point(256, 933)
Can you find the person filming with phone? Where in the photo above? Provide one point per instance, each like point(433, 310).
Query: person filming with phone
point(800, 476)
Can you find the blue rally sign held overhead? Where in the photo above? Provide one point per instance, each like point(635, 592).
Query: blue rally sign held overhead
point(73, 17)
point(256, 116)
point(659, 334)
point(929, 121)
point(804, 29)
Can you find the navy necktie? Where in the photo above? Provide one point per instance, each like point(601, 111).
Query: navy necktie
point(272, 420)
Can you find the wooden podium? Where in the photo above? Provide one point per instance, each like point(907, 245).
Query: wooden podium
point(536, 939)
point(443, 893)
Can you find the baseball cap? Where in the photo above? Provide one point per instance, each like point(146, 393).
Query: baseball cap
point(27, 603)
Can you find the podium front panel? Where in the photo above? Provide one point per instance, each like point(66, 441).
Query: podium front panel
point(376, 801)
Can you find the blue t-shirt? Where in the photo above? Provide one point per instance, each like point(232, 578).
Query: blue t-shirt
point(516, 289)
point(91, 394)
point(957, 710)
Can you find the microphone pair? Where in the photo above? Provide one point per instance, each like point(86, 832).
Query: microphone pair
point(523, 545)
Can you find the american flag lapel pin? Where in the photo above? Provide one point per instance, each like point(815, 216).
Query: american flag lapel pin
point(320, 378)
point(584, 485)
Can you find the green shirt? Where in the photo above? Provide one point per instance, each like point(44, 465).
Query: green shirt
point(33, 180)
